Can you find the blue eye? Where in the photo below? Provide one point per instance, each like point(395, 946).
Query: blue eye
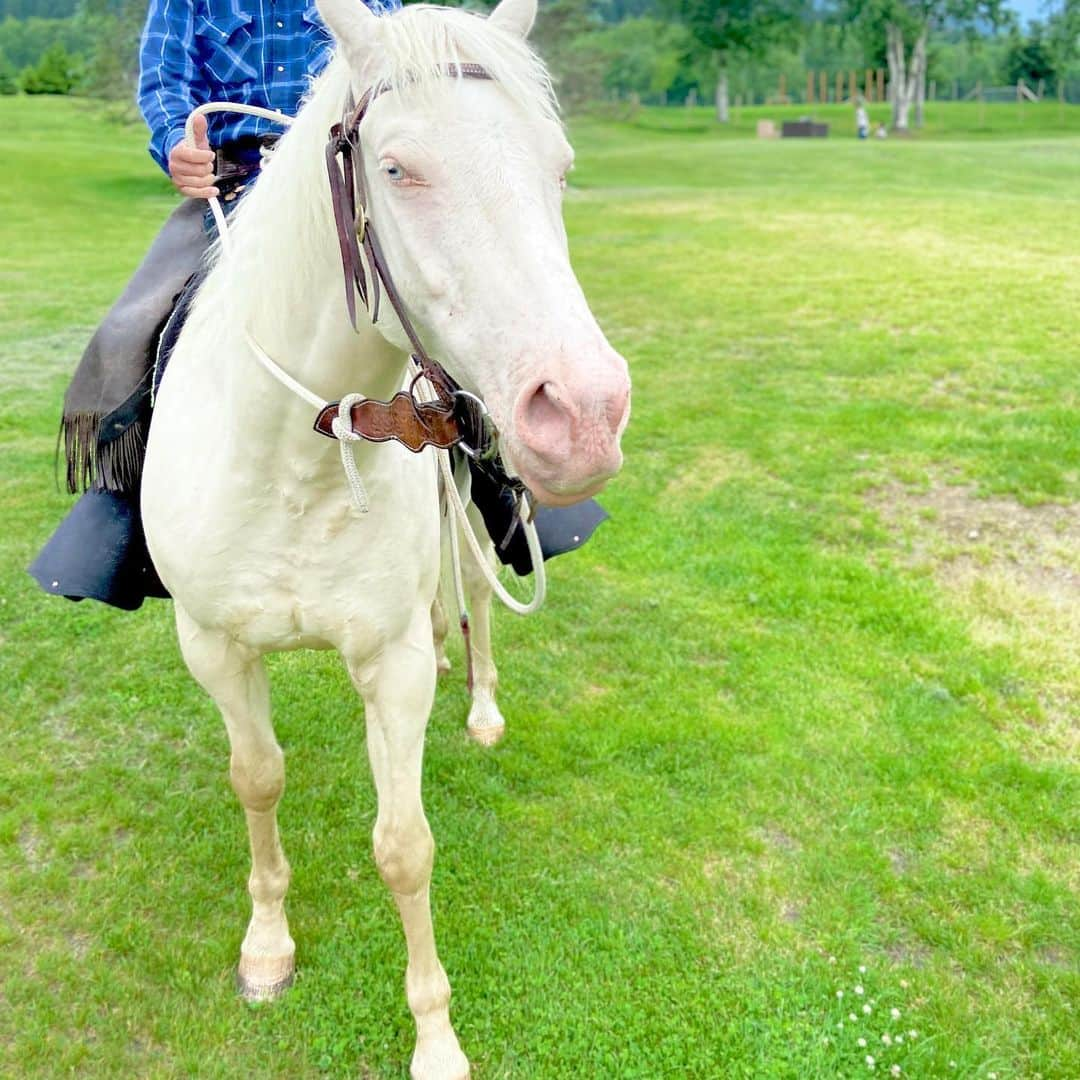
point(394, 171)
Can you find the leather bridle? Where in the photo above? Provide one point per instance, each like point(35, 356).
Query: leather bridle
point(456, 417)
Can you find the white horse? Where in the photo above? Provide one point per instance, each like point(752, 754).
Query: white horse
point(247, 515)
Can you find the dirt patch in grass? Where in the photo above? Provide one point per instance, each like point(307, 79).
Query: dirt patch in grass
point(1013, 572)
point(713, 466)
point(30, 845)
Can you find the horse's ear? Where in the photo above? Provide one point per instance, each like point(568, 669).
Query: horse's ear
point(353, 25)
point(515, 16)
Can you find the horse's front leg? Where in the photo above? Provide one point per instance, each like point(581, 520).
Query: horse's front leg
point(234, 676)
point(398, 688)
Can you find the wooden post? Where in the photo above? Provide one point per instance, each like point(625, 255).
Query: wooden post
point(955, 90)
point(853, 85)
point(1042, 88)
point(881, 84)
point(839, 87)
point(933, 90)
point(982, 106)
point(823, 88)
point(809, 88)
point(782, 95)
point(868, 86)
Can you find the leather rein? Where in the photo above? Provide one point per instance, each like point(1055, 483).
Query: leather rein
point(456, 417)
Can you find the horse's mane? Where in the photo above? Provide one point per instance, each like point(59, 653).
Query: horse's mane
point(273, 226)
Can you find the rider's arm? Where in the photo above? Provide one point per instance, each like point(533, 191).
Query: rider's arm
point(169, 82)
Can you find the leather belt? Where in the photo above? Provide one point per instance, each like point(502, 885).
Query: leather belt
point(236, 161)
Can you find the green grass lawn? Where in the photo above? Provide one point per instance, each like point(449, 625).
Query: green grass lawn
point(806, 706)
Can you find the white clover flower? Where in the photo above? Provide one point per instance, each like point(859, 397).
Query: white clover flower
point(887, 1039)
point(899, 1040)
point(852, 1017)
point(859, 990)
point(867, 1010)
point(894, 1013)
point(825, 1040)
point(991, 1076)
point(912, 1034)
point(870, 1061)
point(895, 1070)
point(862, 1043)
point(862, 969)
point(840, 1024)
point(839, 995)
point(903, 984)
point(952, 1064)
point(832, 959)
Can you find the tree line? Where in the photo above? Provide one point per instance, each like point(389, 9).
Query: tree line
point(648, 50)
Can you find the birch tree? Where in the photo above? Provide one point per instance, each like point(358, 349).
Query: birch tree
point(906, 26)
point(736, 30)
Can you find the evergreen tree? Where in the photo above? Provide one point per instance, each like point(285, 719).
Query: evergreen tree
point(9, 83)
point(54, 74)
point(1029, 58)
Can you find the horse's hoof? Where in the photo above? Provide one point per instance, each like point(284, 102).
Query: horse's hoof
point(440, 1059)
point(264, 978)
point(485, 724)
point(486, 736)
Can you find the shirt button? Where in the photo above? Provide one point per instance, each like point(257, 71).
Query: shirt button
point(279, 24)
point(280, 67)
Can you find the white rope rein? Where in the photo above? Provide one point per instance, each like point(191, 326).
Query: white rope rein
point(189, 137)
point(347, 438)
point(536, 554)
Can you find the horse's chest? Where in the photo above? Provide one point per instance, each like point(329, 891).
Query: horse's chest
point(292, 564)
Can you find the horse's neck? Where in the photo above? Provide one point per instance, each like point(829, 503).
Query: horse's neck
point(283, 286)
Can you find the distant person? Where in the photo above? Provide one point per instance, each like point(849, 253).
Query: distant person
point(882, 132)
point(862, 121)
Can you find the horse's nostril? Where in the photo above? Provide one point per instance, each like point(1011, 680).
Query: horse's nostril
point(546, 420)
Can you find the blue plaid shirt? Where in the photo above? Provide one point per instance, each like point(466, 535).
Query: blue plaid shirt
point(258, 52)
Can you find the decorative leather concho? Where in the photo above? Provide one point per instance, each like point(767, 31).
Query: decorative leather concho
point(413, 424)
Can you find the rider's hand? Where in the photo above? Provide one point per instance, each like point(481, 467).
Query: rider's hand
point(192, 167)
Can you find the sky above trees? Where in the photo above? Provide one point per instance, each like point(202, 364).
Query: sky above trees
point(1028, 10)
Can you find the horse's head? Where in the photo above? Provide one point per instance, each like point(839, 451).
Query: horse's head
point(464, 182)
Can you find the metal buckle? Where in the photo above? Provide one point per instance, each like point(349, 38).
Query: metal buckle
point(477, 411)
